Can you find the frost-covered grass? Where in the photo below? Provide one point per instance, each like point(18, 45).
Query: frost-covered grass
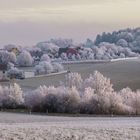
point(122, 74)
point(29, 127)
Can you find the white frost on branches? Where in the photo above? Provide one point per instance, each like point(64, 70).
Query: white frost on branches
point(94, 95)
point(11, 97)
point(25, 59)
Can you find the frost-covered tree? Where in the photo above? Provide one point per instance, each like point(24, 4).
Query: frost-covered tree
point(9, 47)
point(125, 38)
point(45, 57)
point(44, 67)
point(125, 35)
point(122, 42)
point(35, 52)
point(34, 99)
point(72, 105)
point(48, 47)
point(89, 43)
point(64, 56)
point(128, 99)
point(6, 57)
point(14, 72)
point(63, 43)
point(25, 59)
point(102, 87)
point(111, 51)
point(11, 97)
point(73, 79)
point(57, 67)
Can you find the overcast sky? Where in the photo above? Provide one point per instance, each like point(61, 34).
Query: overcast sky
point(27, 22)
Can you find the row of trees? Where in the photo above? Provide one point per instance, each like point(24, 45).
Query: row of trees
point(118, 44)
point(125, 38)
point(93, 95)
point(104, 51)
point(23, 59)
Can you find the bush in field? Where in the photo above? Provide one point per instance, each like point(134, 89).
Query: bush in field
point(130, 99)
point(56, 100)
point(34, 99)
point(46, 67)
point(68, 101)
point(57, 67)
point(137, 102)
point(11, 97)
point(25, 59)
point(14, 72)
point(101, 90)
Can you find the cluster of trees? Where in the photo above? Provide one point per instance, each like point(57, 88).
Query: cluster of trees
point(14, 72)
point(111, 51)
point(11, 97)
point(118, 44)
point(104, 51)
point(125, 38)
point(45, 66)
point(10, 60)
point(6, 57)
point(93, 95)
point(23, 59)
point(121, 44)
point(88, 51)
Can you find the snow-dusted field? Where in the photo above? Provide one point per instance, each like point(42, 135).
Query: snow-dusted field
point(35, 127)
point(122, 74)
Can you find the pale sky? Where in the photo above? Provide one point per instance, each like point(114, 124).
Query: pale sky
point(27, 22)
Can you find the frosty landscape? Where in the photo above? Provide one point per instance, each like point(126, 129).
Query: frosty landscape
point(69, 70)
point(58, 89)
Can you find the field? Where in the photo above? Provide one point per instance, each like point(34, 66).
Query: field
point(35, 127)
point(122, 74)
